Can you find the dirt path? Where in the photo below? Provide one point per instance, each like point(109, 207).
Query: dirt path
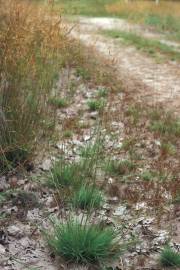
point(159, 82)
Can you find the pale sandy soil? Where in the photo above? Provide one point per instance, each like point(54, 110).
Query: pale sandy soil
point(160, 82)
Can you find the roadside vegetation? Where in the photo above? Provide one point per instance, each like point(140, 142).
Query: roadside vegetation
point(107, 151)
point(164, 17)
point(151, 47)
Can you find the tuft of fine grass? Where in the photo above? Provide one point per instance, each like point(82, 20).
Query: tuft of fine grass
point(58, 102)
point(87, 197)
point(115, 167)
point(96, 105)
point(80, 243)
point(170, 258)
point(64, 174)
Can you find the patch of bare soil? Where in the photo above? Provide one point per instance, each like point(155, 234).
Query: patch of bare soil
point(160, 82)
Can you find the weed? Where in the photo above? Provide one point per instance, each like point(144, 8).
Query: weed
point(84, 243)
point(87, 197)
point(122, 167)
point(170, 258)
point(58, 102)
point(96, 105)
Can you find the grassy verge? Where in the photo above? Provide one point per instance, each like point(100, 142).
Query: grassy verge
point(84, 7)
point(164, 17)
point(151, 47)
point(34, 48)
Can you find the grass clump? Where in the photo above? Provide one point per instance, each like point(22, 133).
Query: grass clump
point(64, 174)
point(32, 49)
point(96, 105)
point(58, 102)
point(115, 167)
point(147, 175)
point(170, 258)
point(102, 92)
point(81, 243)
point(68, 133)
point(165, 124)
point(87, 197)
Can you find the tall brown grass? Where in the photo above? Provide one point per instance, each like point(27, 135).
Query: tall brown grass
point(144, 7)
point(164, 16)
point(33, 48)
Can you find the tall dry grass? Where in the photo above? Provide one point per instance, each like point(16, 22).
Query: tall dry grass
point(33, 48)
point(164, 16)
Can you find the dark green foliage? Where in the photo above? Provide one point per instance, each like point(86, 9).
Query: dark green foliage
point(170, 258)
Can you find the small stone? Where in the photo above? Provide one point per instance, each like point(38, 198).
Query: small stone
point(2, 250)
point(13, 230)
point(93, 115)
point(46, 165)
point(119, 211)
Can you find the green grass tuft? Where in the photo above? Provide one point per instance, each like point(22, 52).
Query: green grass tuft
point(96, 105)
point(170, 258)
point(64, 174)
point(87, 197)
point(58, 102)
point(115, 167)
point(80, 243)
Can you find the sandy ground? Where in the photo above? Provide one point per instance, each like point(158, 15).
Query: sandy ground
point(160, 82)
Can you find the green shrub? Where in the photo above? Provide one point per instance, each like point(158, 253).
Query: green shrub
point(170, 258)
point(87, 197)
point(81, 243)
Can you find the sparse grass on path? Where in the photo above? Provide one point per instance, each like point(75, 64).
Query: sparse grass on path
point(150, 46)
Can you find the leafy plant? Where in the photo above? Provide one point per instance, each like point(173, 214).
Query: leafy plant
point(170, 258)
point(84, 243)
